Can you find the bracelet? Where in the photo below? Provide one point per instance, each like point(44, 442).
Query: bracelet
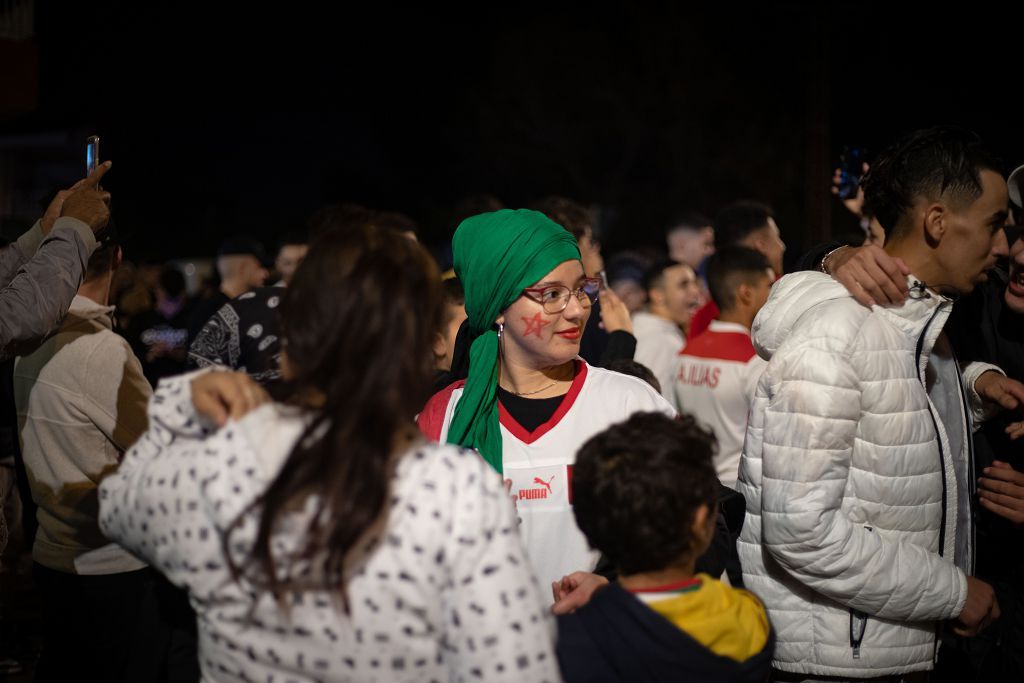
point(827, 256)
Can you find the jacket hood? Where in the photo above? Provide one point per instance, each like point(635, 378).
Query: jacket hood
point(791, 297)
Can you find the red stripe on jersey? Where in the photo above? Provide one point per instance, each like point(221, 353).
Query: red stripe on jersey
point(734, 346)
point(703, 317)
point(518, 431)
point(431, 418)
point(568, 482)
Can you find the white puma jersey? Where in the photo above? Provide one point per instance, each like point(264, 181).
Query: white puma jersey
point(539, 463)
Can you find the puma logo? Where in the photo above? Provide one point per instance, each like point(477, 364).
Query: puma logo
point(545, 484)
point(538, 493)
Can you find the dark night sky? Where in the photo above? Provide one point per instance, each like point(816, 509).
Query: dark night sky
point(250, 120)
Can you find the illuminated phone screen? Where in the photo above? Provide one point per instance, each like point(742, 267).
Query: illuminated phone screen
point(92, 154)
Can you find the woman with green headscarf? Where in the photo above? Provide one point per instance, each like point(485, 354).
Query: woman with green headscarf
point(529, 402)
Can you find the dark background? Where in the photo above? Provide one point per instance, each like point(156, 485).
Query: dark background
point(248, 118)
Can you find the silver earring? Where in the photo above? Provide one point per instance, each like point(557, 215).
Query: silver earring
point(501, 331)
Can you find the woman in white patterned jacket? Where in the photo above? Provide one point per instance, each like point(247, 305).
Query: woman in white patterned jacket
point(324, 539)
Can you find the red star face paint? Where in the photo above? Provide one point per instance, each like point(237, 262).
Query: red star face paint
point(535, 324)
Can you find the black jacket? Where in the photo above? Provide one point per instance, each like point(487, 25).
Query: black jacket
point(616, 637)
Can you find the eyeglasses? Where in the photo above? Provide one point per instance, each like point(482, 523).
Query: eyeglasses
point(554, 298)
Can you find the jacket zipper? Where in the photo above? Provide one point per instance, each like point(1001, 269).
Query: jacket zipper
point(942, 460)
point(972, 482)
point(858, 622)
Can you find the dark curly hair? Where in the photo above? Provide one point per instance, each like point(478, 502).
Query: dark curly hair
point(636, 488)
point(944, 161)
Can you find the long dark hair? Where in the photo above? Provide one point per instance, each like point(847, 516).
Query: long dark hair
point(359, 319)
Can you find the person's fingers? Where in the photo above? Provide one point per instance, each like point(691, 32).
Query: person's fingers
point(995, 489)
point(1004, 398)
point(208, 404)
point(1014, 389)
point(897, 271)
point(562, 607)
point(964, 632)
point(995, 612)
point(1005, 474)
point(1014, 516)
point(1001, 465)
point(850, 277)
point(249, 396)
point(904, 268)
point(881, 285)
point(229, 392)
point(94, 178)
point(1008, 501)
point(1015, 430)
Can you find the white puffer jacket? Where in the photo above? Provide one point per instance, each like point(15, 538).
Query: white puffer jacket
point(849, 482)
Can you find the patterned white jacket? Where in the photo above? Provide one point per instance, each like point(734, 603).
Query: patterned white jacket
point(855, 468)
point(443, 593)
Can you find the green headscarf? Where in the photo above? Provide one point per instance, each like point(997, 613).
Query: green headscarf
point(497, 255)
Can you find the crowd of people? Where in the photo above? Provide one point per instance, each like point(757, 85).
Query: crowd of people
point(353, 463)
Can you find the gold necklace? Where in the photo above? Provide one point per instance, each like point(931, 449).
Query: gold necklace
point(531, 393)
point(537, 391)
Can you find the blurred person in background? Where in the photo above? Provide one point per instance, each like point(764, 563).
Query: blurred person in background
point(240, 265)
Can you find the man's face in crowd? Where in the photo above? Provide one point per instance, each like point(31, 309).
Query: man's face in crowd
point(1014, 295)
point(680, 293)
point(768, 241)
point(253, 272)
point(288, 259)
point(691, 246)
point(972, 236)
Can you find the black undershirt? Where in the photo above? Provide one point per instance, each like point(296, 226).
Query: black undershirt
point(529, 412)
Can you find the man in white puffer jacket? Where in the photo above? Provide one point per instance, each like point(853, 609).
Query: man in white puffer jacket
point(856, 468)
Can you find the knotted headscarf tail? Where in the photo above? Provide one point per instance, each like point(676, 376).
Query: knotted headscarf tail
point(497, 255)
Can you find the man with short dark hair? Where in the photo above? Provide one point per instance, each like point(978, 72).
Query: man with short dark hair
point(718, 370)
point(672, 297)
point(745, 223)
point(81, 400)
point(240, 264)
point(690, 239)
point(856, 468)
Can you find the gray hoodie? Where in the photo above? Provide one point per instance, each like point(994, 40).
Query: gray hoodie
point(38, 278)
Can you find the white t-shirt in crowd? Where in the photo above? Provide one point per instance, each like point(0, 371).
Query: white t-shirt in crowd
point(717, 372)
point(658, 343)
